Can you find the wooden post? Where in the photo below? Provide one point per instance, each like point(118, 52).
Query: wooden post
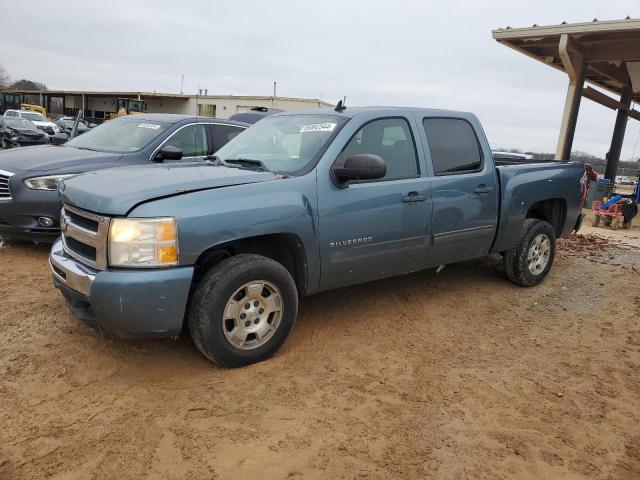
point(613, 157)
point(573, 60)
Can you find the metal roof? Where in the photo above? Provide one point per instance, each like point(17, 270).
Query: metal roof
point(148, 95)
point(611, 49)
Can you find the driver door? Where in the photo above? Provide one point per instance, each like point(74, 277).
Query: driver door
point(379, 228)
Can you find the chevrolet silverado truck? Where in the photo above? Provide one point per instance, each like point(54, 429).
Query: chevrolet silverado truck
point(29, 202)
point(297, 204)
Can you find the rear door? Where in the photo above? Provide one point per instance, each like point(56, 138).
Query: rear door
point(463, 190)
point(379, 228)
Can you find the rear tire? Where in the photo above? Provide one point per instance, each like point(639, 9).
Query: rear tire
point(615, 223)
point(243, 310)
point(529, 262)
point(596, 220)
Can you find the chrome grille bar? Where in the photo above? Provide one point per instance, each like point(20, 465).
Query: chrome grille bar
point(5, 194)
point(80, 239)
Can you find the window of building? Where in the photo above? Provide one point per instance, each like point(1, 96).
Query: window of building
point(206, 110)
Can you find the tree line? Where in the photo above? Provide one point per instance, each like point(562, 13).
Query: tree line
point(23, 84)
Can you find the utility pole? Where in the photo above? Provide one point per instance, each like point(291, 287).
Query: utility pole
point(181, 83)
point(273, 99)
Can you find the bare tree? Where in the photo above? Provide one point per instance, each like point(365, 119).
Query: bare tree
point(4, 77)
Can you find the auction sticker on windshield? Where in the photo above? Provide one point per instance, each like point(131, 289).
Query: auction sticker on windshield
point(149, 125)
point(318, 127)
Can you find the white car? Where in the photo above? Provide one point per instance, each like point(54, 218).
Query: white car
point(38, 119)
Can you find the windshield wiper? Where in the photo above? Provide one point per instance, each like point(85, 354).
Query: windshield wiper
point(247, 163)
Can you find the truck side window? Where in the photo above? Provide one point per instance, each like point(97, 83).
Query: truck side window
point(192, 140)
point(391, 139)
point(454, 146)
point(223, 133)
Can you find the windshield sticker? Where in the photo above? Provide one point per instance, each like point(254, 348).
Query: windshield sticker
point(318, 127)
point(149, 125)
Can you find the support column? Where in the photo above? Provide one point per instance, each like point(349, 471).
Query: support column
point(613, 157)
point(573, 60)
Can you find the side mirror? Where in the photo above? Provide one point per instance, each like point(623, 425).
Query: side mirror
point(364, 166)
point(59, 138)
point(168, 152)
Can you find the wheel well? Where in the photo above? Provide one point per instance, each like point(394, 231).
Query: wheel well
point(553, 210)
point(286, 249)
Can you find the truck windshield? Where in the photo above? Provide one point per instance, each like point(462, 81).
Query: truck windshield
point(287, 144)
point(121, 135)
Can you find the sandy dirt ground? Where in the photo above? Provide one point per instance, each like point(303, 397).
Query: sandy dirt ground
point(447, 376)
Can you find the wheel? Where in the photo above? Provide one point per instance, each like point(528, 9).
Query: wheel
point(243, 310)
point(529, 262)
point(596, 220)
point(615, 223)
point(4, 144)
point(626, 225)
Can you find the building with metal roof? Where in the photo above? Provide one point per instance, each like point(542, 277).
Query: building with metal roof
point(604, 54)
point(100, 104)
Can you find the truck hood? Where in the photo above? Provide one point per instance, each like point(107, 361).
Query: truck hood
point(115, 191)
point(49, 157)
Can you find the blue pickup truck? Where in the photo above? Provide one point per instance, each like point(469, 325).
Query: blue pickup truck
point(296, 204)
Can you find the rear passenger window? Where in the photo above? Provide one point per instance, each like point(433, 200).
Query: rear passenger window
point(391, 139)
point(454, 146)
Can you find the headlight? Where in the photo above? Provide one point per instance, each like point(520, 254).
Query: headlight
point(45, 183)
point(143, 242)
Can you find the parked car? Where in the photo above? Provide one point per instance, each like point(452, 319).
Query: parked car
point(29, 203)
point(254, 114)
point(39, 120)
point(18, 132)
point(300, 203)
point(66, 126)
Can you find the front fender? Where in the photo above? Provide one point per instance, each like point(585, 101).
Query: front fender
point(217, 216)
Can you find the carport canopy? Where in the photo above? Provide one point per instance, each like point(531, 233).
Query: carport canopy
point(604, 54)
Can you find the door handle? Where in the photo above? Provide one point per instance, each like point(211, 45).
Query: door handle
point(413, 197)
point(482, 189)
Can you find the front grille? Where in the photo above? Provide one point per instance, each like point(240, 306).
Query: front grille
point(5, 194)
point(87, 251)
point(84, 236)
point(84, 222)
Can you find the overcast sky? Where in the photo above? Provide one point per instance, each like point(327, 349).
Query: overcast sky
point(419, 53)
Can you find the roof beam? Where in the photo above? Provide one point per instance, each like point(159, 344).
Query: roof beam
point(611, 72)
point(614, 52)
point(571, 55)
point(606, 101)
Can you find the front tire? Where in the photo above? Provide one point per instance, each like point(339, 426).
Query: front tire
point(4, 145)
point(243, 310)
point(529, 262)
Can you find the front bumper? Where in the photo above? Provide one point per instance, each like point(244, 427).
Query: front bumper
point(19, 215)
point(126, 303)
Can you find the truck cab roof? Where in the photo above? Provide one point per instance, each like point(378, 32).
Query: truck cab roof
point(351, 112)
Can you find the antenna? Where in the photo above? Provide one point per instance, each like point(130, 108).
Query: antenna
point(341, 107)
